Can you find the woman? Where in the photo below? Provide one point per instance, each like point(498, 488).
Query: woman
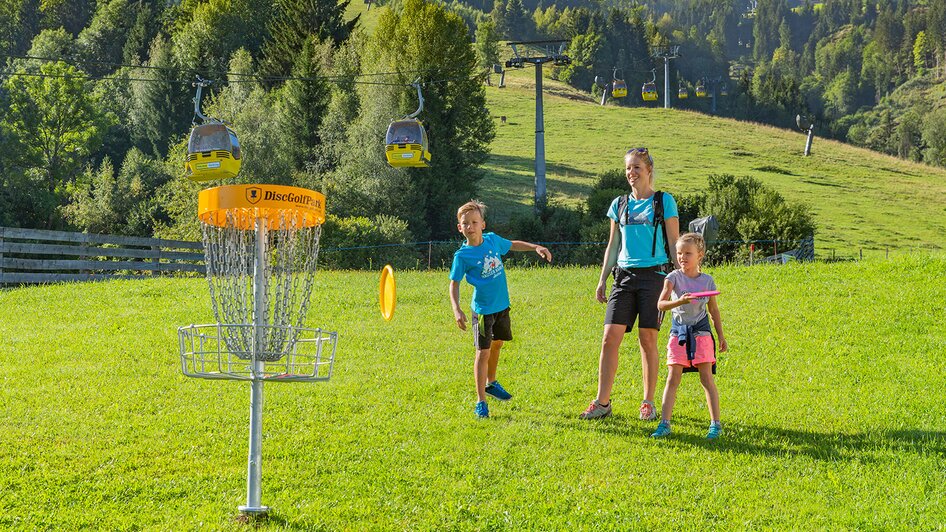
point(637, 254)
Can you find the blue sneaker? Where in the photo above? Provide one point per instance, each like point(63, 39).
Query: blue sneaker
point(496, 390)
point(481, 409)
point(715, 431)
point(663, 429)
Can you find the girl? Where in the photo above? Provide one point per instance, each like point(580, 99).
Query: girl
point(691, 342)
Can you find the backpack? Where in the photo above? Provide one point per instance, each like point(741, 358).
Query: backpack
point(658, 220)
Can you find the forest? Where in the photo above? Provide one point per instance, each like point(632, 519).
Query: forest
point(96, 96)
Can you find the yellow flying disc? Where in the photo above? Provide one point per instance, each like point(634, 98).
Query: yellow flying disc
point(388, 292)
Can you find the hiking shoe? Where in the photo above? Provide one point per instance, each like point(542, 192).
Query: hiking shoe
point(648, 412)
point(663, 429)
point(715, 431)
point(596, 411)
point(496, 390)
point(481, 409)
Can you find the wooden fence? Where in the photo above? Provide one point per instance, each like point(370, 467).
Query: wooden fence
point(37, 256)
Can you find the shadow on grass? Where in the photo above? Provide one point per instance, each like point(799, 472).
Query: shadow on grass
point(748, 438)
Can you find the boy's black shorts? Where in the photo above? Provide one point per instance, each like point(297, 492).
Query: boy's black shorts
point(634, 297)
point(489, 327)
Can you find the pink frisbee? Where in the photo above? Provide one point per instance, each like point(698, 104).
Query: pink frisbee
point(705, 294)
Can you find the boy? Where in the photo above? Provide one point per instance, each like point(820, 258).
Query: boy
point(479, 259)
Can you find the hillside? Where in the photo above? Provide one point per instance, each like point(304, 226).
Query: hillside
point(823, 430)
point(861, 199)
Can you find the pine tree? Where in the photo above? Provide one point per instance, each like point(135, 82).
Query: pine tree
point(293, 23)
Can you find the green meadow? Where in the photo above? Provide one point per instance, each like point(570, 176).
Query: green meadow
point(832, 401)
point(861, 200)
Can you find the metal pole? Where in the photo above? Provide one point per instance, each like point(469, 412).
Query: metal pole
point(604, 94)
point(811, 134)
point(539, 142)
point(666, 82)
point(713, 110)
point(254, 464)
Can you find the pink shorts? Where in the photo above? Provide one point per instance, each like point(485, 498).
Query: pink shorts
point(705, 351)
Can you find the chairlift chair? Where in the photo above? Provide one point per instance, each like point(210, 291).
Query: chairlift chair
point(406, 144)
point(213, 150)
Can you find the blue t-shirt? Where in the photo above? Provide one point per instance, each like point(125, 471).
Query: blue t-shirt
point(483, 267)
point(637, 237)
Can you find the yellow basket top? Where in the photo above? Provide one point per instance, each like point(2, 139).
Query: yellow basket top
point(279, 205)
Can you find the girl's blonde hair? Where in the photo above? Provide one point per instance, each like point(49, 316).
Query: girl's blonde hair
point(693, 238)
point(470, 206)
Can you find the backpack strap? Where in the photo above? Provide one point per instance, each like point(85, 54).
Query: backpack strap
point(622, 210)
point(658, 222)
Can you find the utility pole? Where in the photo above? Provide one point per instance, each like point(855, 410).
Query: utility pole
point(554, 52)
point(667, 53)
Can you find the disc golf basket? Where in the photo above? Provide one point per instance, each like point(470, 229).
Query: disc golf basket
point(261, 243)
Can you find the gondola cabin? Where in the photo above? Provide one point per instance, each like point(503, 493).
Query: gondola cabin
point(213, 152)
point(683, 93)
point(649, 92)
point(701, 91)
point(618, 89)
point(724, 91)
point(406, 144)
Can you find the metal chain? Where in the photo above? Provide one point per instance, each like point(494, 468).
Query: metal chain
point(291, 254)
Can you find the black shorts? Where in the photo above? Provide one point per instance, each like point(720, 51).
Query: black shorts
point(634, 296)
point(489, 327)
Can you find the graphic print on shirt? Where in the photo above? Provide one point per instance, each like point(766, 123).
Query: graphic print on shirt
point(639, 219)
point(492, 266)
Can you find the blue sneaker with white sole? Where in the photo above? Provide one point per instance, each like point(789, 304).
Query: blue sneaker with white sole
point(663, 430)
point(481, 409)
point(496, 390)
point(715, 431)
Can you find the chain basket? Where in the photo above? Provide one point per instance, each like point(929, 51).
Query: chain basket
point(289, 260)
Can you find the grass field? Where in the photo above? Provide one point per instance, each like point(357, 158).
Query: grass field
point(831, 398)
point(861, 199)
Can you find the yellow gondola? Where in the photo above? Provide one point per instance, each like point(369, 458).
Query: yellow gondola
point(683, 93)
point(213, 152)
point(700, 90)
point(618, 89)
point(649, 92)
point(406, 144)
point(724, 91)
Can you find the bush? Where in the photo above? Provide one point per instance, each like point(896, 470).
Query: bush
point(361, 243)
point(748, 210)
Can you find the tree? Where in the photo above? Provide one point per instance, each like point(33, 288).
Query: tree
point(101, 43)
point(54, 124)
point(210, 31)
point(922, 52)
point(294, 23)
point(304, 103)
point(934, 136)
point(160, 108)
point(487, 45)
point(123, 203)
point(769, 17)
